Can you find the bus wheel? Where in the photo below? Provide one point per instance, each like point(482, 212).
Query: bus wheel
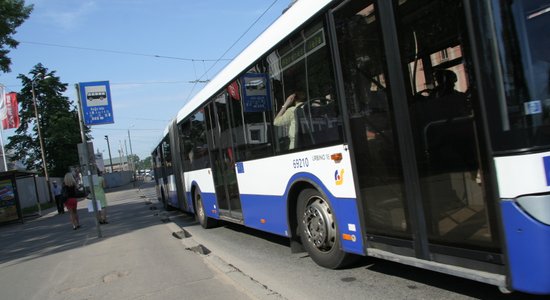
point(318, 231)
point(200, 214)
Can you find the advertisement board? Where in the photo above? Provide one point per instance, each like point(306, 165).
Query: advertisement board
point(8, 201)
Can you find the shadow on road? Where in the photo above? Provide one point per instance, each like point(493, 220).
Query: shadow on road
point(451, 283)
point(52, 233)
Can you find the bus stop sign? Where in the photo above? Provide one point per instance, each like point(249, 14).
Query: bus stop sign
point(95, 98)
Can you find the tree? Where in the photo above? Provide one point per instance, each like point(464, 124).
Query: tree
point(133, 158)
point(146, 163)
point(13, 13)
point(58, 122)
point(143, 164)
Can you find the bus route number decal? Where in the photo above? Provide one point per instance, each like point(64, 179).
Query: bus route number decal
point(300, 163)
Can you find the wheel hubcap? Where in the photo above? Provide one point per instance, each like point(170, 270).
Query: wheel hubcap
point(319, 225)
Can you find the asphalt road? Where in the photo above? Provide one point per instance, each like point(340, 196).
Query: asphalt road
point(267, 260)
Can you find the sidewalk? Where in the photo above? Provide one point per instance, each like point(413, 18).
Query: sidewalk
point(136, 258)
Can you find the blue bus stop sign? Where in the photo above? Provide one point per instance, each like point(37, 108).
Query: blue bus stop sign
point(95, 98)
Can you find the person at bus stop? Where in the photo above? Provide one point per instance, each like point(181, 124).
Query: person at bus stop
point(70, 191)
point(100, 196)
point(58, 198)
point(286, 116)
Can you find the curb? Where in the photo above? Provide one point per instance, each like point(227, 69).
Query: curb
point(241, 280)
point(248, 284)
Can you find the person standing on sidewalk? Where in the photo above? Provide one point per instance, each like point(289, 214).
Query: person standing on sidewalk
point(71, 193)
point(58, 198)
point(100, 196)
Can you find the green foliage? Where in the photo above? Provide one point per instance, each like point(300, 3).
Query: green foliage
point(12, 14)
point(143, 164)
point(147, 163)
point(58, 122)
point(133, 158)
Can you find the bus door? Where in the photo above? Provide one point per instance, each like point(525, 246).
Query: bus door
point(415, 128)
point(224, 157)
point(166, 171)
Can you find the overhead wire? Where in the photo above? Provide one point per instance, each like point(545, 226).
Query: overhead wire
point(118, 52)
point(229, 49)
point(193, 60)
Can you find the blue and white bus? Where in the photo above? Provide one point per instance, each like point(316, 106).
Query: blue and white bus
point(416, 131)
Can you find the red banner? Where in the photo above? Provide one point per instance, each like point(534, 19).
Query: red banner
point(233, 90)
point(12, 116)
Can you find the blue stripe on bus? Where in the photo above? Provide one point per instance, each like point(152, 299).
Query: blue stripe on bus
point(528, 244)
point(208, 202)
point(210, 207)
point(273, 211)
point(173, 199)
point(546, 161)
point(270, 209)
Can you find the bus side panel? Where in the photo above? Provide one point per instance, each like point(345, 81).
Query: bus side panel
point(266, 213)
point(264, 185)
point(203, 180)
point(270, 176)
point(512, 174)
point(528, 243)
point(351, 237)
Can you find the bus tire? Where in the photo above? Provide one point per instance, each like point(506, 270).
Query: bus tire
point(163, 197)
point(319, 232)
point(200, 214)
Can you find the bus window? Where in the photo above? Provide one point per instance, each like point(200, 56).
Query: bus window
point(305, 109)
point(187, 147)
point(523, 121)
point(195, 149)
point(367, 94)
point(166, 154)
point(198, 138)
point(433, 45)
point(251, 99)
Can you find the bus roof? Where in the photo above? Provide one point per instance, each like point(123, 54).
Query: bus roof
point(289, 21)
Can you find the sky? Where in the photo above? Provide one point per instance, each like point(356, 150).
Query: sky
point(151, 52)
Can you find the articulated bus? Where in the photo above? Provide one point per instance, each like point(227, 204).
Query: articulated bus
point(416, 131)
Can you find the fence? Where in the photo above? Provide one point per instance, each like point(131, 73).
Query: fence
point(29, 195)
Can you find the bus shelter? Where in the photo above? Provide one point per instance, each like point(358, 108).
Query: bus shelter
point(10, 206)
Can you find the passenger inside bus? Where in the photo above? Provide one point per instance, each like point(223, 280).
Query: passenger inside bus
point(444, 101)
point(286, 116)
point(446, 124)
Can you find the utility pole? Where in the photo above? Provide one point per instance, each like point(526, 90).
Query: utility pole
point(131, 152)
point(40, 138)
point(87, 166)
point(109, 149)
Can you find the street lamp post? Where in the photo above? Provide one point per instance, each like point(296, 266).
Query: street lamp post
point(109, 148)
point(44, 164)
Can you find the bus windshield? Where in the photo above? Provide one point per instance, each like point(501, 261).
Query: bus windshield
point(524, 118)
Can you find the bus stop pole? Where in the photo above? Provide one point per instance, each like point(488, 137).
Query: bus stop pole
point(87, 166)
